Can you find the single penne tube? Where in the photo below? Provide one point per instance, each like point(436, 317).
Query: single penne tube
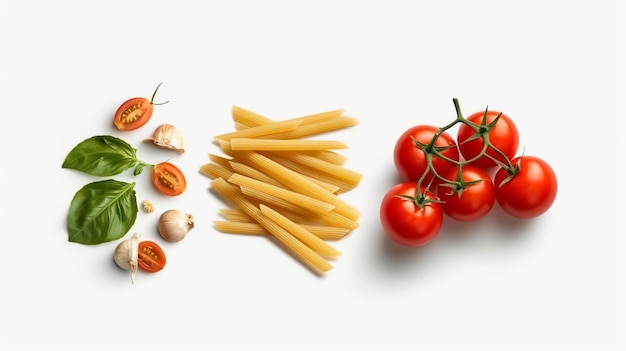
point(318, 245)
point(320, 117)
point(214, 170)
point(307, 202)
point(328, 182)
point(285, 145)
point(300, 250)
point(252, 119)
point(225, 147)
point(315, 176)
point(326, 232)
point(265, 198)
point(265, 129)
point(235, 227)
point(240, 126)
point(252, 172)
point(296, 181)
point(246, 117)
point(220, 160)
point(338, 172)
point(316, 128)
point(253, 228)
point(294, 212)
point(335, 219)
point(328, 156)
point(235, 215)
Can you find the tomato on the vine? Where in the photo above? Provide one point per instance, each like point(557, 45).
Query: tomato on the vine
point(407, 220)
point(168, 179)
point(530, 191)
point(474, 201)
point(151, 257)
point(503, 136)
point(411, 162)
point(134, 113)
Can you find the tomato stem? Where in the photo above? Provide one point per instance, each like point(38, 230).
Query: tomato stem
point(154, 94)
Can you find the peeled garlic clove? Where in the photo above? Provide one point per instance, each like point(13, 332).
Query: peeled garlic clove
point(174, 225)
point(166, 136)
point(126, 255)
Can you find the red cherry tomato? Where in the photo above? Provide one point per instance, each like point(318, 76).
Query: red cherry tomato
point(134, 113)
point(151, 257)
point(530, 192)
point(504, 136)
point(475, 201)
point(168, 179)
point(404, 221)
point(411, 162)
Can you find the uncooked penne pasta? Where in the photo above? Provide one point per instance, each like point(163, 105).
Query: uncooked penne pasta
point(283, 184)
point(265, 198)
point(252, 119)
point(265, 129)
point(296, 181)
point(214, 170)
point(315, 243)
point(327, 155)
point(240, 227)
point(235, 215)
point(300, 250)
point(310, 174)
point(256, 144)
point(309, 203)
point(220, 160)
point(316, 128)
point(253, 228)
point(334, 171)
point(253, 173)
point(337, 220)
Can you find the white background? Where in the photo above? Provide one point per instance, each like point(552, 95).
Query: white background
point(555, 282)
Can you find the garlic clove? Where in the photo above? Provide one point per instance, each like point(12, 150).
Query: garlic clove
point(167, 136)
point(126, 255)
point(173, 225)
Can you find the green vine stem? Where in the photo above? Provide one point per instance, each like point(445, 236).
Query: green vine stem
point(481, 131)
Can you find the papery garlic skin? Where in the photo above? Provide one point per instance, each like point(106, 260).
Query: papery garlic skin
point(126, 255)
point(174, 225)
point(167, 136)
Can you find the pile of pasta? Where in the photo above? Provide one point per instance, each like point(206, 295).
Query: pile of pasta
point(281, 179)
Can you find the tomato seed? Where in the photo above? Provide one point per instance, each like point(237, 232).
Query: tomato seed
point(132, 113)
point(165, 177)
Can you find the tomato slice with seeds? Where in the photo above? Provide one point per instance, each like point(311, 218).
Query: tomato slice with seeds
point(151, 257)
point(168, 179)
point(134, 113)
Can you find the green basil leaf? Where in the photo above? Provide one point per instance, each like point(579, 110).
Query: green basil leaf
point(101, 155)
point(138, 169)
point(102, 211)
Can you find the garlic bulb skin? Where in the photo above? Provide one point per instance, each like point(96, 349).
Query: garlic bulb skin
point(174, 225)
point(167, 136)
point(126, 255)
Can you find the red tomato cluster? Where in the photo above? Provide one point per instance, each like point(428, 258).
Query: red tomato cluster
point(447, 176)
